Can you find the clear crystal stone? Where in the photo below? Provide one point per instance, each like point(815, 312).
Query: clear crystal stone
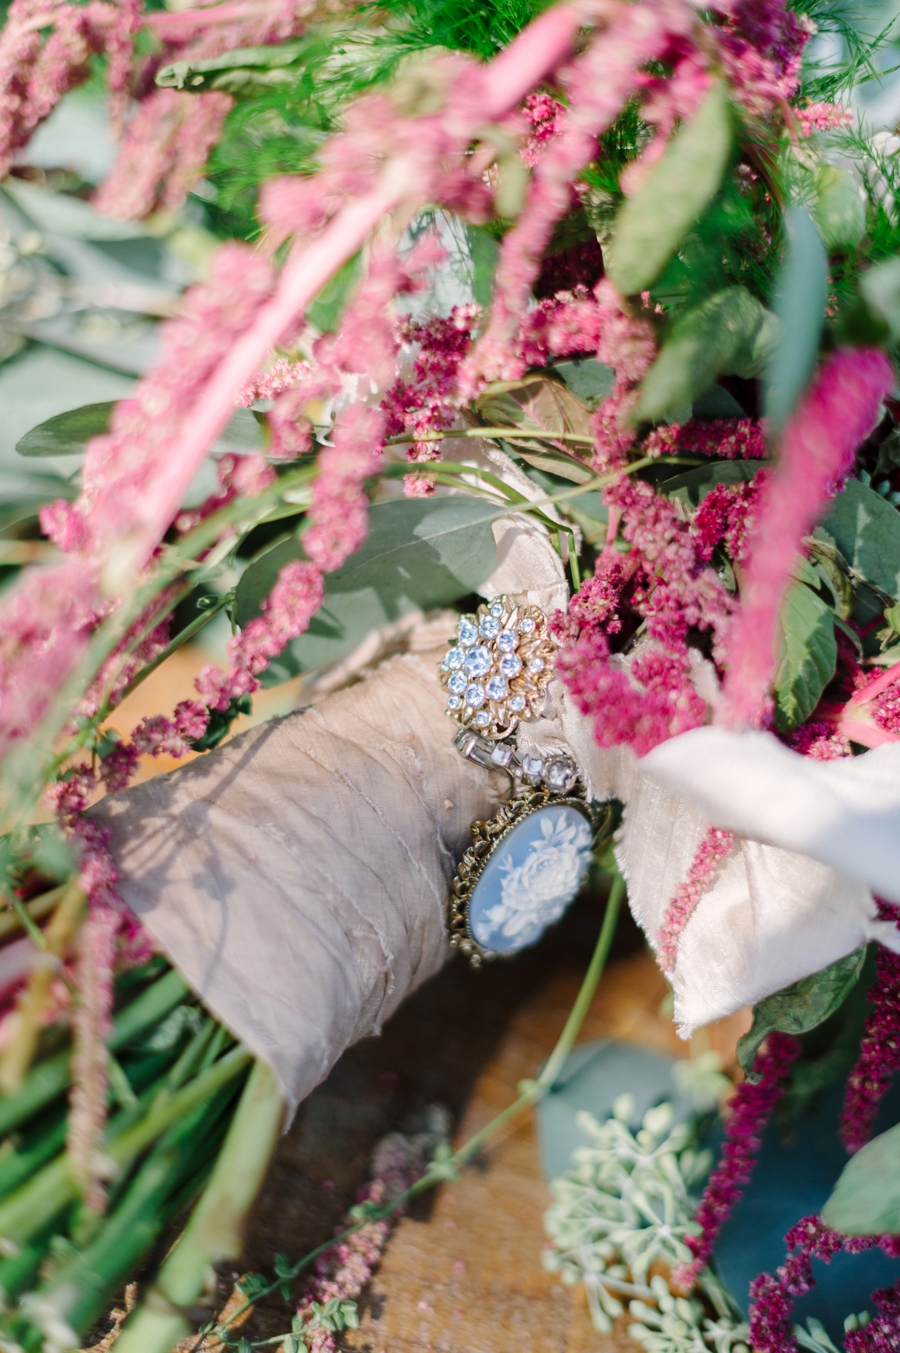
point(496, 608)
point(445, 666)
point(497, 688)
point(455, 658)
point(532, 766)
point(478, 661)
point(526, 625)
point(510, 666)
point(536, 665)
point(453, 702)
point(482, 718)
point(474, 695)
point(457, 683)
point(503, 754)
point(507, 640)
point(517, 703)
point(468, 633)
point(560, 773)
point(490, 626)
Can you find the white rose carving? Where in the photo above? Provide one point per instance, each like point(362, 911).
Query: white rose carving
point(535, 893)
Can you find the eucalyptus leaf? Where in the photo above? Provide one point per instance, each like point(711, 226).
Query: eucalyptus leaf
point(483, 253)
point(325, 311)
point(840, 208)
point(800, 308)
point(802, 1006)
point(880, 287)
point(866, 1198)
point(866, 530)
point(419, 553)
point(62, 214)
point(589, 380)
point(654, 221)
point(807, 656)
point(692, 486)
point(66, 433)
point(712, 338)
point(716, 402)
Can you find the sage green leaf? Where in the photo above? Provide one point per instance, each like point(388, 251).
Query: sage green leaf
point(535, 404)
point(483, 252)
point(880, 287)
point(655, 220)
point(716, 402)
point(234, 67)
point(589, 380)
point(693, 486)
point(419, 553)
point(800, 308)
point(704, 342)
point(807, 656)
point(866, 530)
point(66, 433)
point(325, 311)
point(802, 1006)
point(840, 208)
point(866, 1198)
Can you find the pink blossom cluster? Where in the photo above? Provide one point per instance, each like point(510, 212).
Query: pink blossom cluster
point(761, 43)
point(239, 477)
point(822, 117)
point(723, 438)
point(725, 517)
point(286, 614)
point(126, 479)
point(545, 117)
point(771, 1327)
point(879, 1050)
point(282, 374)
point(628, 345)
point(819, 740)
point(713, 849)
point(45, 625)
point(597, 85)
point(424, 399)
point(560, 326)
point(750, 1108)
point(46, 48)
point(817, 450)
point(164, 152)
point(168, 140)
point(343, 1271)
point(663, 582)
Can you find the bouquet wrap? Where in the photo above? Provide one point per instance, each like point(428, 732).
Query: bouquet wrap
point(341, 825)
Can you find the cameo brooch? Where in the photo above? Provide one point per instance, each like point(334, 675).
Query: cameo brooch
point(527, 863)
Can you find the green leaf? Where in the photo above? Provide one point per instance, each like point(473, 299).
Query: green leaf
point(66, 433)
point(703, 343)
point(484, 252)
point(716, 402)
point(803, 1006)
point(840, 208)
point(195, 76)
point(693, 486)
point(589, 380)
point(866, 1198)
point(880, 288)
point(325, 311)
point(800, 308)
point(807, 656)
point(419, 554)
point(866, 530)
point(653, 222)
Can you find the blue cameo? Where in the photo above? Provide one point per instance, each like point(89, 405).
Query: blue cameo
point(530, 878)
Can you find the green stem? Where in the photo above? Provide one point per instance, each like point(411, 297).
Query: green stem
point(534, 434)
point(532, 1093)
point(181, 637)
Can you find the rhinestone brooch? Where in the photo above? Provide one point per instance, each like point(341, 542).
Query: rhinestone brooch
point(498, 667)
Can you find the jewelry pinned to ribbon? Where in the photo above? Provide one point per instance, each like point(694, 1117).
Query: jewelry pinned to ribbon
point(527, 863)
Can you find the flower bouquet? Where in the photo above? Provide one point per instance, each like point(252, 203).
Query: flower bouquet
point(590, 310)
